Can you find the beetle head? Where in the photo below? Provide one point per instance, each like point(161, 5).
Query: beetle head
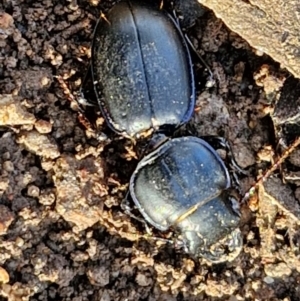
point(212, 230)
point(224, 250)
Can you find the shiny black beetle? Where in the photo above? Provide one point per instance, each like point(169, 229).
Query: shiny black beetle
point(143, 79)
point(182, 186)
point(141, 70)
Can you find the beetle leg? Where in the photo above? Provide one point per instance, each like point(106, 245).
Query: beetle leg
point(125, 205)
point(211, 82)
point(102, 15)
point(87, 95)
point(220, 142)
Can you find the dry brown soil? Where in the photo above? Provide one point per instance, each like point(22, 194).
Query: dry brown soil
point(63, 235)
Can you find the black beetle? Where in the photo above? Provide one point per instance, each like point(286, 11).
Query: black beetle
point(182, 185)
point(142, 76)
point(141, 70)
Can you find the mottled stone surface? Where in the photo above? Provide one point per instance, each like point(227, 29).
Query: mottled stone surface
point(268, 26)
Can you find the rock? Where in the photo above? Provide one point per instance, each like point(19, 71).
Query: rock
point(271, 29)
point(12, 113)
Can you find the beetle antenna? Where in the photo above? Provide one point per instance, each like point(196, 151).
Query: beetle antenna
point(267, 174)
point(128, 210)
point(211, 81)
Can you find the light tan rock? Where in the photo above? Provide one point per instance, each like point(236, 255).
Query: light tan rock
point(268, 26)
point(12, 113)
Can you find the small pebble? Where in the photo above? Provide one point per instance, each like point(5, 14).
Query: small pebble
point(4, 277)
point(268, 280)
point(43, 126)
point(33, 191)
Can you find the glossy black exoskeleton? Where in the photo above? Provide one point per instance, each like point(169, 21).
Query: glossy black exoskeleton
point(141, 74)
point(141, 70)
point(182, 185)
